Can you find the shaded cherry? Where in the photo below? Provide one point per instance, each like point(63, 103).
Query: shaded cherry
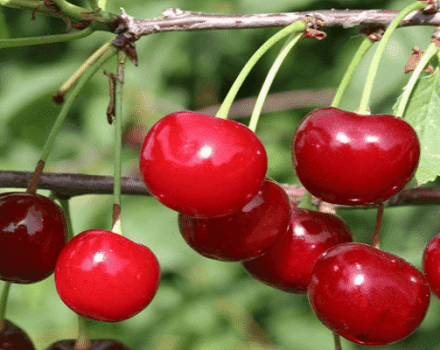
point(288, 265)
point(201, 165)
point(366, 295)
point(431, 264)
point(97, 344)
point(106, 277)
point(347, 158)
point(245, 234)
point(14, 338)
point(33, 230)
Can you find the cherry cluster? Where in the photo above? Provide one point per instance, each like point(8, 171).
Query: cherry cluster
point(213, 172)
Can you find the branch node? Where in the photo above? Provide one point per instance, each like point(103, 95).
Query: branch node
point(173, 12)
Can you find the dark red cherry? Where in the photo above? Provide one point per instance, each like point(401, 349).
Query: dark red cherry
point(106, 277)
point(13, 337)
point(201, 165)
point(431, 264)
point(288, 265)
point(245, 234)
point(347, 158)
point(33, 231)
point(97, 344)
point(366, 295)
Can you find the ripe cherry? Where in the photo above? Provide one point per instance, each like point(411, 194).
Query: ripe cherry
point(431, 264)
point(366, 295)
point(245, 234)
point(97, 344)
point(347, 158)
point(33, 231)
point(106, 277)
point(288, 265)
point(201, 165)
point(13, 337)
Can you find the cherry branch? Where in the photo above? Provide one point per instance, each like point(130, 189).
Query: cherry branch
point(175, 19)
point(67, 185)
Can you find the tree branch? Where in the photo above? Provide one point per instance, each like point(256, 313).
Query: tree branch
point(70, 185)
point(177, 20)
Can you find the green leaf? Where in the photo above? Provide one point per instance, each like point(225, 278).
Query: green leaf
point(423, 113)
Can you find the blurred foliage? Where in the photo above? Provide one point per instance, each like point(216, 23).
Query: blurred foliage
point(201, 304)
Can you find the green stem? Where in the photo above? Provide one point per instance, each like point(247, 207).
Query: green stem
point(48, 39)
point(118, 145)
point(366, 44)
point(72, 97)
point(4, 301)
point(298, 26)
point(365, 99)
point(83, 341)
point(66, 208)
point(431, 51)
point(293, 39)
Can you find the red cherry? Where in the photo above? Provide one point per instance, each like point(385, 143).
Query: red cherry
point(202, 166)
point(97, 344)
point(288, 265)
point(347, 158)
point(366, 295)
point(106, 277)
point(33, 231)
point(431, 264)
point(13, 337)
point(245, 234)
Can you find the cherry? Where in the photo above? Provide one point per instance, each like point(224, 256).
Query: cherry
point(106, 277)
point(33, 230)
point(288, 265)
point(347, 158)
point(201, 165)
point(245, 234)
point(366, 295)
point(13, 337)
point(431, 264)
point(97, 344)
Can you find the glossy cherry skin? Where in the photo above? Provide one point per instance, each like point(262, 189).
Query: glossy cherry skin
point(14, 338)
point(201, 165)
point(347, 158)
point(431, 264)
point(288, 265)
point(106, 277)
point(33, 231)
point(244, 235)
point(366, 295)
point(97, 344)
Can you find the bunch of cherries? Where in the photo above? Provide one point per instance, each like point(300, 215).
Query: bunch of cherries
point(213, 172)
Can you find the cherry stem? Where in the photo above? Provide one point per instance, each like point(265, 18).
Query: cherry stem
point(116, 224)
point(338, 345)
point(366, 44)
point(365, 99)
point(430, 52)
point(3, 302)
point(66, 209)
point(298, 26)
point(109, 52)
point(375, 242)
point(291, 41)
point(83, 341)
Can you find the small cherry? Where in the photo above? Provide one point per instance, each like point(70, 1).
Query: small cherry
point(33, 230)
point(97, 344)
point(14, 338)
point(348, 158)
point(431, 264)
point(366, 295)
point(106, 277)
point(245, 234)
point(201, 165)
point(288, 265)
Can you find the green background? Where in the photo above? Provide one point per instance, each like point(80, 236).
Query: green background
point(201, 303)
